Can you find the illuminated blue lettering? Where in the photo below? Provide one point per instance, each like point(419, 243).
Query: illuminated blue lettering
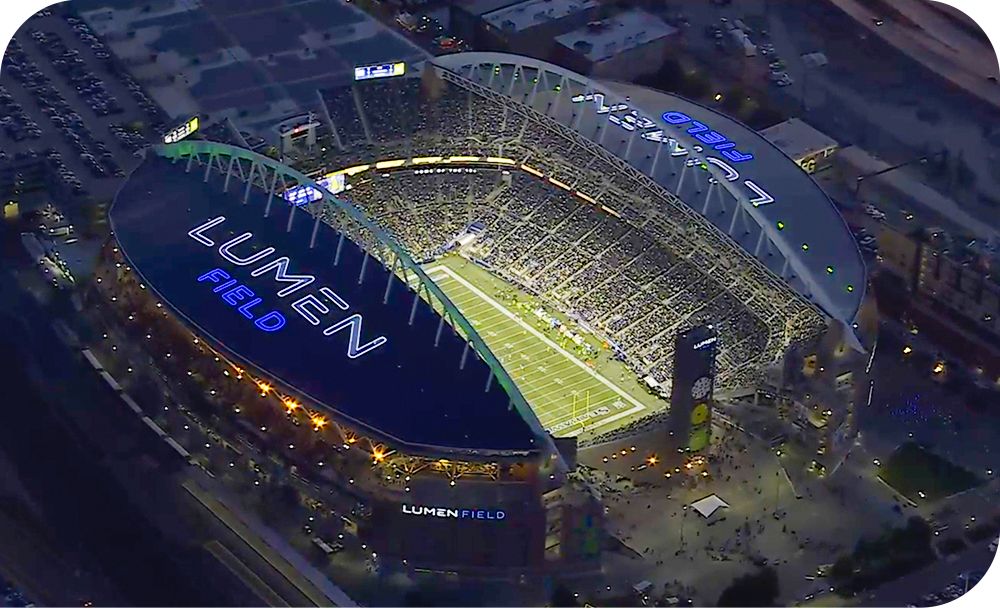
point(697, 127)
point(237, 294)
point(245, 309)
point(736, 156)
point(224, 286)
point(272, 321)
point(710, 138)
point(196, 233)
point(354, 348)
point(214, 275)
point(225, 252)
point(280, 266)
point(674, 117)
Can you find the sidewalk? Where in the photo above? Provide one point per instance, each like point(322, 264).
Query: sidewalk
point(271, 547)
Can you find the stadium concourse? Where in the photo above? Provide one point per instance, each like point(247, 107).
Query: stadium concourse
point(520, 150)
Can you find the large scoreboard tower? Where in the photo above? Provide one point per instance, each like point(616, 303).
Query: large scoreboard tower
point(690, 420)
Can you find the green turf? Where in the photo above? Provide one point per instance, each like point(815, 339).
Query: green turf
point(912, 470)
point(572, 392)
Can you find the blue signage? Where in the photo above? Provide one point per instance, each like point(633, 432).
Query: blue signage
point(236, 294)
point(451, 513)
point(707, 136)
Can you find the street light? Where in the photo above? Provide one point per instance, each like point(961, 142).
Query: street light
point(921, 160)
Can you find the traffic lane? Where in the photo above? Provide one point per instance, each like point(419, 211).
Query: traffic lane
point(83, 505)
point(35, 563)
point(931, 579)
point(170, 508)
point(240, 540)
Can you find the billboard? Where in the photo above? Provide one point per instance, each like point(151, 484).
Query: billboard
point(180, 132)
point(382, 70)
point(302, 195)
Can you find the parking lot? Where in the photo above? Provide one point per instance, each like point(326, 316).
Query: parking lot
point(64, 97)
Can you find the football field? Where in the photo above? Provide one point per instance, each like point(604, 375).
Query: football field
point(564, 388)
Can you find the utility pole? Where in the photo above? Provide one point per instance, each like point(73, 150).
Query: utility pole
point(921, 160)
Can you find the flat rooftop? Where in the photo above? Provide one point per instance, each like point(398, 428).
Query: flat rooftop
point(797, 138)
point(530, 13)
point(407, 392)
point(618, 34)
point(255, 62)
point(481, 7)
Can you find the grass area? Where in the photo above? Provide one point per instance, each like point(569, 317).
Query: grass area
point(574, 386)
point(921, 475)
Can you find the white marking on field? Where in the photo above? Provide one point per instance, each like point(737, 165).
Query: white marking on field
point(449, 274)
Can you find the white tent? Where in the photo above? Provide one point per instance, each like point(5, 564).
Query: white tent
point(706, 507)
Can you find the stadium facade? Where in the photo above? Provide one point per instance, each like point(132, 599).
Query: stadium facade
point(638, 222)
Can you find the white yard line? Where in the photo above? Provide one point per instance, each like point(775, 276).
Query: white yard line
point(636, 405)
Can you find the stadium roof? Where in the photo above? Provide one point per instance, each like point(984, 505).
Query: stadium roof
point(720, 168)
point(616, 35)
point(256, 62)
point(413, 391)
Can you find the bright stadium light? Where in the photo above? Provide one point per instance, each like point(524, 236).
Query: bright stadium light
point(264, 387)
point(291, 404)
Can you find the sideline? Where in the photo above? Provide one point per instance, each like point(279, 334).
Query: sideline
point(636, 405)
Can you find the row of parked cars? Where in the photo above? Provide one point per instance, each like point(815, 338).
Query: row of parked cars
point(147, 105)
point(86, 36)
point(16, 122)
point(962, 583)
point(130, 139)
point(74, 69)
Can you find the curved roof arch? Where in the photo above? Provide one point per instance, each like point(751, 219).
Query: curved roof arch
point(141, 218)
point(720, 168)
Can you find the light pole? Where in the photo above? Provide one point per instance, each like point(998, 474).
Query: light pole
point(920, 160)
point(683, 519)
point(777, 489)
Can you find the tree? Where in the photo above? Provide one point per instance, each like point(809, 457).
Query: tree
point(561, 596)
point(695, 85)
point(842, 569)
point(733, 99)
point(757, 589)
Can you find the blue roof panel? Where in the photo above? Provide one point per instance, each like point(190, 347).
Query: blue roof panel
point(406, 390)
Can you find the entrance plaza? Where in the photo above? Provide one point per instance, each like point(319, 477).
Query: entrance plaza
point(798, 525)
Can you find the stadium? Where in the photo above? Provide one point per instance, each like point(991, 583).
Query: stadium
point(478, 259)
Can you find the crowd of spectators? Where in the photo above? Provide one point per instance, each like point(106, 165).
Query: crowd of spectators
point(637, 277)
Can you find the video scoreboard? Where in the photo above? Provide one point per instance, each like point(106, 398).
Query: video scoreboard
point(334, 183)
point(382, 70)
point(180, 132)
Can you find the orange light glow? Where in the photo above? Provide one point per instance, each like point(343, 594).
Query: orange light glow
point(291, 404)
point(264, 387)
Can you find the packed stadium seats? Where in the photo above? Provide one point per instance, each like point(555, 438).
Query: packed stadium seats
point(637, 279)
